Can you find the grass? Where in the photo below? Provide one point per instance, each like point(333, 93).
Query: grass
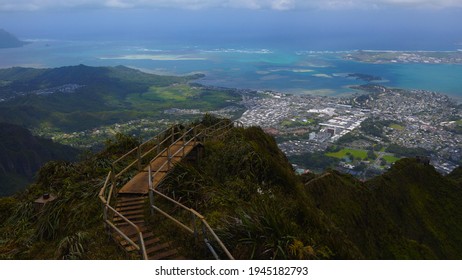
point(390, 159)
point(178, 93)
point(111, 95)
point(397, 126)
point(297, 123)
point(343, 153)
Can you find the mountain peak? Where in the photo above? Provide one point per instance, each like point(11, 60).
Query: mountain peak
point(8, 40)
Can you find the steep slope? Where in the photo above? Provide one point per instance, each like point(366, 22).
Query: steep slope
point(246, 188)
point(70, 227)
point(424, 205)
point(22, 155)
point(410, 212)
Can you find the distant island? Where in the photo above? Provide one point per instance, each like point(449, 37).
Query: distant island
point(427, 57)
point(8, 40)
point(364, 77)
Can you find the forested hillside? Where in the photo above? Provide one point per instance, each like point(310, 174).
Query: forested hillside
point(22, 155)
point(248, 192)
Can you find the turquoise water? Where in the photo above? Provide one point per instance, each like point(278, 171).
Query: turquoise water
point(294, 71)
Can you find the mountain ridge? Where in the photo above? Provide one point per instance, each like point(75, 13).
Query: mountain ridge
point(8, 40)
point(23, 154)
point(249, 193)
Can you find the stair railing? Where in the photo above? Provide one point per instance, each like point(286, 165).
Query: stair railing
point(110, 190)
point(108, 215)
point(206, 228)
point(218, 130)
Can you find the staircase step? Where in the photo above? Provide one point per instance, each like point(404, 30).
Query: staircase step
point(130, 207)
point(157, 248)
point(164, 255)
point(130, 231)
point(125, 198)
point(150, 242)
point(130, 203)
point(129, 214)
point(132, 217)
point(148, 235)
point(125, 243)
point(124, 224)
point(129, 248)
point(139, 222)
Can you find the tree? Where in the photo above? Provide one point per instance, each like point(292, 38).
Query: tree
point(371, 155)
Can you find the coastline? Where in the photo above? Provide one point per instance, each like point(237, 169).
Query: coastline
point(253, 68)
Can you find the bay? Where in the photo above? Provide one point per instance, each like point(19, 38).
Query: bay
point(292, 70)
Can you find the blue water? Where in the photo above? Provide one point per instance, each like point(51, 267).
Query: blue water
point(256, 67)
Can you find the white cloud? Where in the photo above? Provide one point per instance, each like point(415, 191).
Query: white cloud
point(8, 5)
point(118, 4)
point(283, 4)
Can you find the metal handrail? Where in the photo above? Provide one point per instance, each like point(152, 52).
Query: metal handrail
point(196, 214)
point(107, 207)
point(190, 210)
point(113, 177)
point(142, 144)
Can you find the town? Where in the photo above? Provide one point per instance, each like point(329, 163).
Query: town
point(363, 134)
point(413, 120)
point(426, 57)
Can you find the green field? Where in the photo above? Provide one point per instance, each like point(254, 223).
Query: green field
point(109, 95)
point(397, 126)
point(343, 153)
point(390, 159)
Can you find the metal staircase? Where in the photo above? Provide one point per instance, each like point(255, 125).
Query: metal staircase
point(129, 200)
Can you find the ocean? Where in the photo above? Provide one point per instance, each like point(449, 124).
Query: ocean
point(270, 67)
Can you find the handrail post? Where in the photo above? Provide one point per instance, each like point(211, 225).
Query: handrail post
point(113, 178)
point(173, 134)
point(142, 247)
point(158, 145)
point(169, 157)
point(151, 193)
point(195, 135)
point(184, 144)
point(194, 227)
point(139, 158)
point(105, 217)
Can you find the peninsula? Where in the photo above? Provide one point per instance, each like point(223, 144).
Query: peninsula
point(8, 40)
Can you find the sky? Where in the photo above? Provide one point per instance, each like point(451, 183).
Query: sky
point(34, 5)
point(418, 24)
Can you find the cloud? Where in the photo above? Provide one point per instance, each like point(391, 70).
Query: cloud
point(30, 5)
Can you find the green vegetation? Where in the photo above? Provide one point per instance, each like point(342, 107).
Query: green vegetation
point(71, 226)
point(396, 126)
point(357, 154)
point(298, 123)
point(457, 128)
point(104, 96)
point(246, 188)
point(375, 127)
point(351, 137)
point(247, 191)
point(400, 151)
point(22, 154)
point(317, 161)
point(390, 159)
